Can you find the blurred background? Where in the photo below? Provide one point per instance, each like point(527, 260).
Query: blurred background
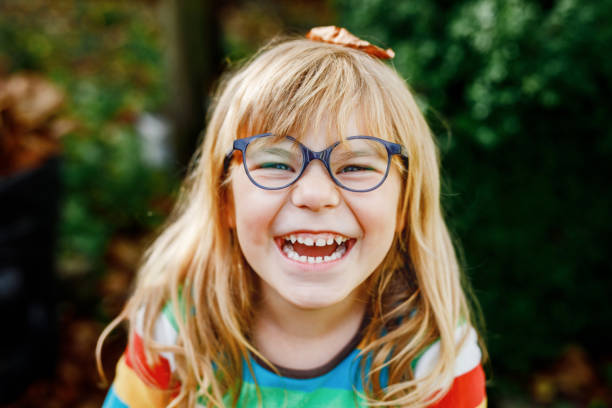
point(102, 103)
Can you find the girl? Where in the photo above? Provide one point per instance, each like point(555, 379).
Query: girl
point(307, 262)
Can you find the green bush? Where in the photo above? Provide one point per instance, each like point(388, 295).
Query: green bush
point(518, 93)
point(107, 57)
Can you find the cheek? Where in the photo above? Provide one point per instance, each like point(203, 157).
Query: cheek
point(254, 212)
point(381, 218)
point(377, 215)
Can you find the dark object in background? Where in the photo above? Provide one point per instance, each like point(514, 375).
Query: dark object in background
point(194, 52)
point(29, 203)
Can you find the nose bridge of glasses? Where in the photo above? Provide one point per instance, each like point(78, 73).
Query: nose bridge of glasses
point(322, 155)
point(314, 188)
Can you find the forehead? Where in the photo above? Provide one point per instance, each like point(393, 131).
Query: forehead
point(317, 135)
point(318, 106)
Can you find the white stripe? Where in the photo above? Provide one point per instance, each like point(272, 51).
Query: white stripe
point(163, 333)
point(468, 357)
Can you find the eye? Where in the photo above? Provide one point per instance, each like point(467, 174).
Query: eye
point(355, 168)
point(277, 166)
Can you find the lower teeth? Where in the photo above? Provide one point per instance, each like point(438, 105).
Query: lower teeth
point(288, 250)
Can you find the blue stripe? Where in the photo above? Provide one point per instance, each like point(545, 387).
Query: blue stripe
point(112, 400)
point(344, 376)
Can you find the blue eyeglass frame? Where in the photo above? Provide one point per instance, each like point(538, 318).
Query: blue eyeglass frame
point(310, 155)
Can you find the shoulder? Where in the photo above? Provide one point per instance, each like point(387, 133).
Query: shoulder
point(468, 387)
point(164, 333)
point(142, 380)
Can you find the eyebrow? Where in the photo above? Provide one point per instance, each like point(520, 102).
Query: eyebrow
point(277, 151)
point(355, 153)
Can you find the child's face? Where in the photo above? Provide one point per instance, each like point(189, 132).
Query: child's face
point(314, 210)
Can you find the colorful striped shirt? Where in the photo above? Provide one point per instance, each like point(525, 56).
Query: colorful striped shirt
point(336, 384)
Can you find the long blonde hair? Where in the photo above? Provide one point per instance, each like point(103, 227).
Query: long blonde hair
point(285, 87)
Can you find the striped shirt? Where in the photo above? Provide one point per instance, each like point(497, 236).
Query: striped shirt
point(336, 384)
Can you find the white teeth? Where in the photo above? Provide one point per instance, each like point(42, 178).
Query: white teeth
point(292, 254)
point(339, 239)
point(308, 241)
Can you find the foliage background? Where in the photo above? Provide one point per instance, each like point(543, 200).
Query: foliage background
point(517, 92)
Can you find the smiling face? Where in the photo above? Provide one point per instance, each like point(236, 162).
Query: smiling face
point(313, 243)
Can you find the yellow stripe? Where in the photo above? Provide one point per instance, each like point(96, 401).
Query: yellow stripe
point(483, 404)
point(134, 392)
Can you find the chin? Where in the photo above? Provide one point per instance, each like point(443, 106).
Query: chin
point(313, 298)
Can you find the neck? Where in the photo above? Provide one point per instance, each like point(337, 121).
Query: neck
point(298, 338)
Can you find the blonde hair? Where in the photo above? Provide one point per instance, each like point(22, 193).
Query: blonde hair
point(284, 88)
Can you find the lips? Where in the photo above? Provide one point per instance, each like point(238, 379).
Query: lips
point(314, 248)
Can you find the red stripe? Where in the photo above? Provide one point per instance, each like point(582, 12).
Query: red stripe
point(158, 375)
point(467, 391)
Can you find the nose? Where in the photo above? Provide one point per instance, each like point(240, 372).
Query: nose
point(315, 190)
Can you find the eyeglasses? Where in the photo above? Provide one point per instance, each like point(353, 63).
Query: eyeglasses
point(357, 163)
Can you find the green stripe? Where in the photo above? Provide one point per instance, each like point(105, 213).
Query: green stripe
point(168, 310)
point(278, 397)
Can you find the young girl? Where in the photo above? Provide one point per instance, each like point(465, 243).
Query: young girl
point(307, 262)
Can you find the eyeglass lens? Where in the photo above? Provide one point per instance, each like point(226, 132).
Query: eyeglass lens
point(358, 164)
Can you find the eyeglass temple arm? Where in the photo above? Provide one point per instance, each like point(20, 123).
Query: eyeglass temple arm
point(395, 148)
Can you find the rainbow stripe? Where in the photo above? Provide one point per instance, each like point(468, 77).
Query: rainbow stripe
point(152, 386)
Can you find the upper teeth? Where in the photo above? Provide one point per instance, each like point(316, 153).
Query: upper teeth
point(291, 253)
point(308, 241)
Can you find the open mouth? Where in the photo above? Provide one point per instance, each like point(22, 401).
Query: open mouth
point(315, 248)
